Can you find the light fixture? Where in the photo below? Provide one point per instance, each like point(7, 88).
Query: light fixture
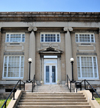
point(30, 60)
point(71, 59)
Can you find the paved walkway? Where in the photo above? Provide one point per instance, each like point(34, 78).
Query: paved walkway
point(51, 88)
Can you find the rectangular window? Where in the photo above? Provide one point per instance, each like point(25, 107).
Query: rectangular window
point(85, 38)
point(50, 37)
point(15, 37)
point(13, 67)
point(87, 67)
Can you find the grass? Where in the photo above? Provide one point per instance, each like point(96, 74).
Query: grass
point(2, 101)
point(98, 100)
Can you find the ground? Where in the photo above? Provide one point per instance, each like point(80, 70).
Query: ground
point(2, 101)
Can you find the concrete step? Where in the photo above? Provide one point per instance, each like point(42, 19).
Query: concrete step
point(53, 103)
point(53, 97)
point(49, 93)
point(53, 100)
point(53, 106)
point(59, 96)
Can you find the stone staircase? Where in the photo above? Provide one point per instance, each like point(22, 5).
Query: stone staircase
point(54, 96)
point(52, 100)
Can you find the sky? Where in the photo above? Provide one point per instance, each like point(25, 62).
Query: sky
point(50, 5)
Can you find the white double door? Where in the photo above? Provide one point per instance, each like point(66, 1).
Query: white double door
point(50, 69)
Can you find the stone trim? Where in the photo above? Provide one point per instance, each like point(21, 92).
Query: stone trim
point(86, 54)
point(13, 53)
point(49, 16)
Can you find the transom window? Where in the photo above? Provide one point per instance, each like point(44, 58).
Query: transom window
point(50, 37)
point(13, 67)
point(15, 37)
point(85, 38)
point(87, 67)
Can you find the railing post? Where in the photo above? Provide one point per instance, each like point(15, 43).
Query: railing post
point(13, 95)
point(85, 84)
point(20, 84)
point(32, 86)
point(24, 86)
point(70, 86)
point(67, 80)
point(5, 104)
point(92, 96)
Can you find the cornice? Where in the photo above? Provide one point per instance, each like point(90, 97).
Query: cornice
point(49, 16)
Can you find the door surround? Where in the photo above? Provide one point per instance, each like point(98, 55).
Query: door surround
point(50, 62)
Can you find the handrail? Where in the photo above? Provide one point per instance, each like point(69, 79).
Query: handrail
point(19, 81)
point(33, 83)
point(68, 79)
point(93, 90)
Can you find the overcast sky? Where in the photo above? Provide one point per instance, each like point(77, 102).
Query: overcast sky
point(50, 5)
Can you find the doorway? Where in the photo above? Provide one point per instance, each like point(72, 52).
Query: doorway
point(50, 72)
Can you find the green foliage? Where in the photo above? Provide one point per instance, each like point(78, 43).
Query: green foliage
point(98, 100)
point(2, 101)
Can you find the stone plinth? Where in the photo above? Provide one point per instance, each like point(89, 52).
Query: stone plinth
point(28, 86)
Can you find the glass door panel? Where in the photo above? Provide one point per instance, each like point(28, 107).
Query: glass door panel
point(53, 74)
point(47, 74)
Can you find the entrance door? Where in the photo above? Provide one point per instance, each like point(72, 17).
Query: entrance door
point(50, 70)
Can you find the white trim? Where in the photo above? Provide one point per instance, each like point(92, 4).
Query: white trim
point(21, 33)
point(50, 56)
point(85, 33)
point(86, 50)
point(50, 33)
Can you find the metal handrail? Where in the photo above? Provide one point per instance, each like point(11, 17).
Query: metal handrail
point(33, 83)
point(91, 88)
point(68, 79)
point(86, 81)
point(13, 92)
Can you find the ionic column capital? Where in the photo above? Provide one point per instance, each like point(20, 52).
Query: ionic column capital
point(68, 29)
point(31, 28)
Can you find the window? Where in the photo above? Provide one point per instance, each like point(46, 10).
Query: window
point(85, 38)
point(50, 37)
point(13, 67)
point(87, 67)
point(15, 37)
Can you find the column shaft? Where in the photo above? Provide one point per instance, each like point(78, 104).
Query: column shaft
point(68, 53)
point(0, 56)
point(32, 53)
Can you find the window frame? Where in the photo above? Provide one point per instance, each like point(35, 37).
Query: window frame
point(88, 78)
point(50, 33)
point(14, 33)
point(84, 34)
point(7, 67)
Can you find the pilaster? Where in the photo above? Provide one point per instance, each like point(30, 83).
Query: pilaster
point(32, 49)
point(68, 50)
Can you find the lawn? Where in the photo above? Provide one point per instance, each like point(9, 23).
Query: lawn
point(98, 100)
point(2, 101)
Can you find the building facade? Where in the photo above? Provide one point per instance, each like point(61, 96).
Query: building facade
point(50, 39)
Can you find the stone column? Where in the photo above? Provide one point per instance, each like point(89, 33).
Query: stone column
point(32, 49)
point(59, 69)
point(68, 50)
point(0, 56)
